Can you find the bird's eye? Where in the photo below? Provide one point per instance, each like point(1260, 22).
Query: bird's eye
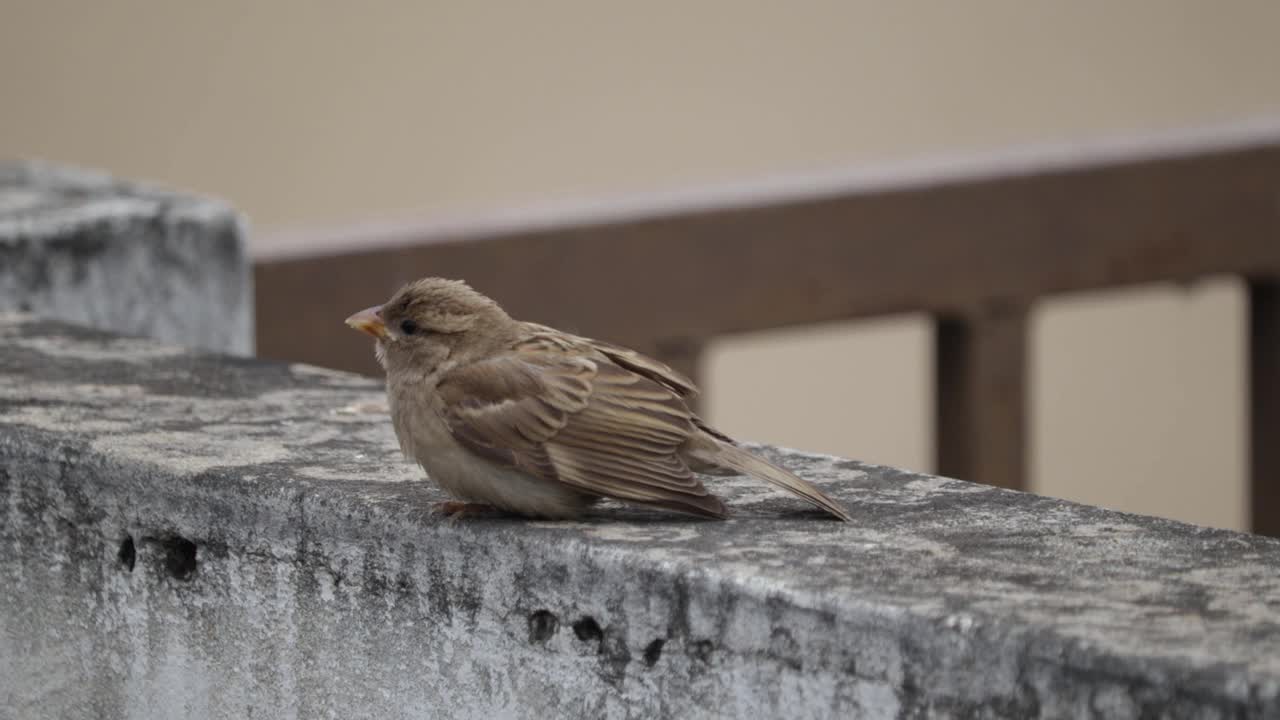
point(408, 327)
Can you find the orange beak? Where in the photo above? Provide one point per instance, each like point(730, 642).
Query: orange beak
point(368, 321)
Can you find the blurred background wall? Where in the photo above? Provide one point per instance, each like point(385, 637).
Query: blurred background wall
point(312, 116)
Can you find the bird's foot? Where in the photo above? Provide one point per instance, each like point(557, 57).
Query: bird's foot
point(454, 510)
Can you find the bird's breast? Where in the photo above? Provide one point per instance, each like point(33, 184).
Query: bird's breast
point(420, 427)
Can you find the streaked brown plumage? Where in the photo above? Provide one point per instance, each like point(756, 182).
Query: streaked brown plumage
point(531, 420)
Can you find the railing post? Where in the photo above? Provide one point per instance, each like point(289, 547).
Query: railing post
point(980, 406)
point(1264, 405)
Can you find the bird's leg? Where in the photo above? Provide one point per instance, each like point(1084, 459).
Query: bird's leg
point(455, 510)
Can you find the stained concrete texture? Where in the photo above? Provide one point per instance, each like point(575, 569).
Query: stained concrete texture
point(83, 247)
point(186, 535)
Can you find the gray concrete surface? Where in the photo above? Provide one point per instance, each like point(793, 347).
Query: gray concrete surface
point(185, 535)
point(119, 256)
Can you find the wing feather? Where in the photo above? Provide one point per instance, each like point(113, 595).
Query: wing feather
point(543, 337)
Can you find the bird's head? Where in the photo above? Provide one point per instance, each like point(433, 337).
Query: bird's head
point(433, 321)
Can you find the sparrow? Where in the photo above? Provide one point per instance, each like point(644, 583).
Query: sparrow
point(526, 419)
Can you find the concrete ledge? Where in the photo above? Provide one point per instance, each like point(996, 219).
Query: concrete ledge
point(83, 247)
point(186, 535)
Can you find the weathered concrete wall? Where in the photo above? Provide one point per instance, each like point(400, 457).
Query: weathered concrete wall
point(85, 248)
point(192, 536)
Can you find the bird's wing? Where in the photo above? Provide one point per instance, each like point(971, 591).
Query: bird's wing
point(582, 421)
point(662, 374)
point(659, 372)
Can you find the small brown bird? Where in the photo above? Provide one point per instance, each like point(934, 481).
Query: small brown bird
point(527, 419)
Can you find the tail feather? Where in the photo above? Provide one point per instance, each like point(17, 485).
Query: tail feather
point(744, 462)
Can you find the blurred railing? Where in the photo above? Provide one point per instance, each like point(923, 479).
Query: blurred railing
point(975, 254)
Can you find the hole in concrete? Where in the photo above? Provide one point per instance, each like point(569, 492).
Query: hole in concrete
point(653, 652)
point(700, 650)
point(588, 630)
point(128, 554)
point(542, 625)
point(179, 557)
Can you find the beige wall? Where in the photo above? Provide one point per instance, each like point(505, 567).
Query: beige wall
point(312, 113)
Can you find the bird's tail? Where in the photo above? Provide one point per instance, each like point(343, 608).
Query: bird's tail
point(744, 462)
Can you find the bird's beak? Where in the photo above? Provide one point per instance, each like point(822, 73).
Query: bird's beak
point(368, 321)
